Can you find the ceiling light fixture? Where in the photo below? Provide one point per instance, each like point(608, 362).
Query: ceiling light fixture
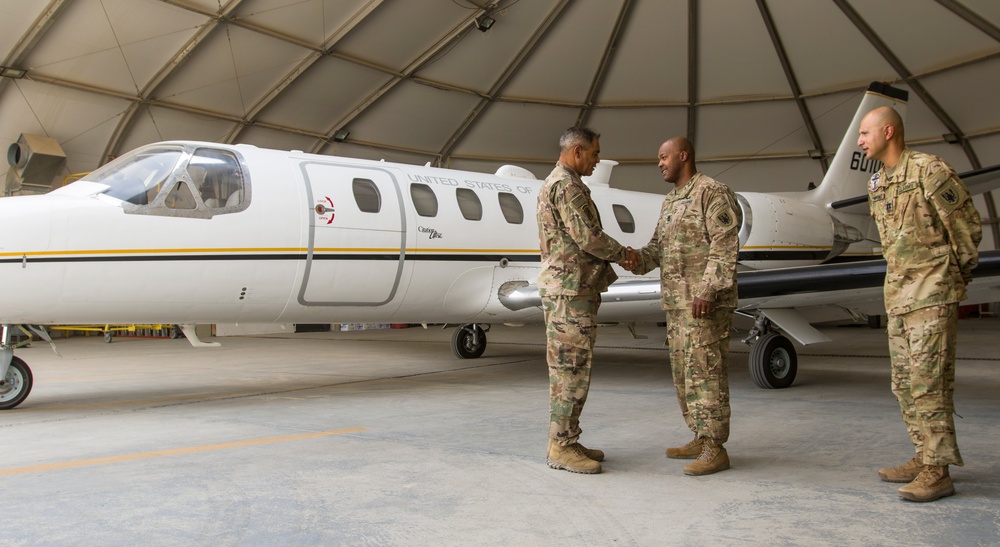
point(11, 72)
point(340, 135)
point(951, 138)
point(484, 23)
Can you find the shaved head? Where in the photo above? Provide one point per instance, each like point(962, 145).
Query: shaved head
point(676, 160)
point(682, 144)
point(887, 115)
point(881, 135)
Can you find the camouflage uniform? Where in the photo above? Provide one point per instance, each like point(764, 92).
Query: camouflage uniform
point(695, 246)
point(575, 271)
point(930, 232)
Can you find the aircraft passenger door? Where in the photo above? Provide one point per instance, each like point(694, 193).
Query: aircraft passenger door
point(356, 235)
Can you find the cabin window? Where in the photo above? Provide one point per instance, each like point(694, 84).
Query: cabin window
point(367, 196)
point(424, 200)
point(468, 202)
point(625, 219)
point(511, 207)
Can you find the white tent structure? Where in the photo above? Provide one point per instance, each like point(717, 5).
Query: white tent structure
point(765, 88)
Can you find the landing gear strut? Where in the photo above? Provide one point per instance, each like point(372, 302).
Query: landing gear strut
point(469, 341)
point(15, 376)
point(773, 362)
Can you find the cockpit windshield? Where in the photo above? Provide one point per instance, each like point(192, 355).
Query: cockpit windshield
point(138, 176)
point(185, 180)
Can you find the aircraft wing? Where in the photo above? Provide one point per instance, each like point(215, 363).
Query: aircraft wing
point(793, 298)
point(977, 181)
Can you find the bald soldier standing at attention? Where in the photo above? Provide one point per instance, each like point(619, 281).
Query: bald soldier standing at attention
point(696, 245)
point(575, 254)
point(930, 233)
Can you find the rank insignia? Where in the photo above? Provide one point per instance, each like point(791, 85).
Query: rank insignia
point(888, 207)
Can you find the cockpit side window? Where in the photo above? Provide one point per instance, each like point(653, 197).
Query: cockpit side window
point(217, 176)
point(181, 197)
point(177, 180)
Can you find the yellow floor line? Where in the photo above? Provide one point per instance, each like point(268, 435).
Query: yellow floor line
point(172, 452)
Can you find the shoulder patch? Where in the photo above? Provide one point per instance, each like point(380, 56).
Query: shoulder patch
point(582, 204)
point(949, 195)
point(723, 214)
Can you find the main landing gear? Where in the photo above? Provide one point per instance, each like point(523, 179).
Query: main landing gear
point(773, 362)
point(15, 376)
point(469, 341)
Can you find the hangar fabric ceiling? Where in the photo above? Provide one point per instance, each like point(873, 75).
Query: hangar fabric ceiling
point(765, 88)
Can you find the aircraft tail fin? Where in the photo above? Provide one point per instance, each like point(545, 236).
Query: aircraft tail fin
point(850, 170)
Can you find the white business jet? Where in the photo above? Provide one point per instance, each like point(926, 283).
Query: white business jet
point(193, 232)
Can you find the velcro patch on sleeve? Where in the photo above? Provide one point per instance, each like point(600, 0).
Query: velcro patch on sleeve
point(581, 204)
point(723, 214)
point(949, 195)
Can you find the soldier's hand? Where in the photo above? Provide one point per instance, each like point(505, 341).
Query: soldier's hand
point(701, 308)
point(631, 260)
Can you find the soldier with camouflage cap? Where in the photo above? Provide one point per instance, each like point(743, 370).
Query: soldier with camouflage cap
point(695, 245)
point(575, 254)
point(930, 233)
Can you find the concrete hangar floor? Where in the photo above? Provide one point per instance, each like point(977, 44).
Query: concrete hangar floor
point(382, 437)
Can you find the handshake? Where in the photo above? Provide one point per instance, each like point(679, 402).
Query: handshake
point(632, 259)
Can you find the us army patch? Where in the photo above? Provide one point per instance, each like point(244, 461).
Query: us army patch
point(950, 196)
point(582, 204)
point(873, 183)
point(725, 217)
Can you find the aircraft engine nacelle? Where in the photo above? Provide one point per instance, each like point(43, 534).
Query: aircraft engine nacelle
point(779, 232)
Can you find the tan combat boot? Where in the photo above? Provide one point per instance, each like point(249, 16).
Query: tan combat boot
point(932, 483)
point(571, 458)
point(689, 451)
point(594, 454)
point(903, 473)
point(713, 459)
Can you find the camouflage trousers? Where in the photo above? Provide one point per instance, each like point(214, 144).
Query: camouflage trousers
point(922, 351)
point(699, 362)
point(570, 331)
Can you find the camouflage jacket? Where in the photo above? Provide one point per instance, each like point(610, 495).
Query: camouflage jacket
point(696, 245)
point(930, 232)
point(575, 249)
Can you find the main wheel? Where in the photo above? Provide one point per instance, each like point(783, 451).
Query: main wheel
point(468, 342)
point(773, 362)
point(16, 384)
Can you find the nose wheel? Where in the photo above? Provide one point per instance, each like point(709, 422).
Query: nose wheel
point(15, 384)
point(469, 341)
